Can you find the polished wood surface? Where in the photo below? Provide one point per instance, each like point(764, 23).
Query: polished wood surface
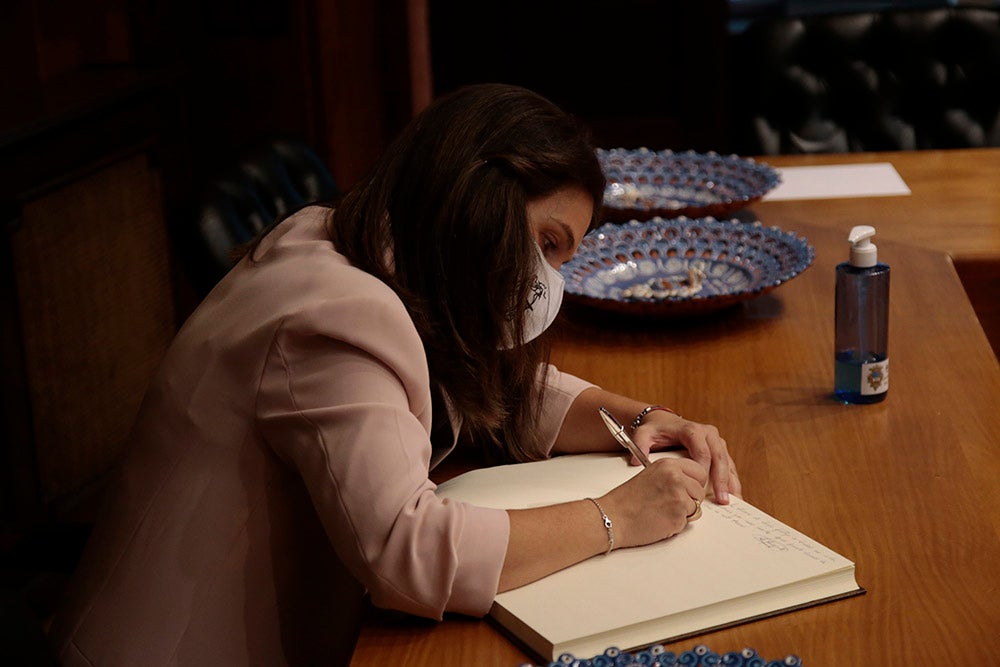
point(954, 203)
point(954, 206)
point(908, 488)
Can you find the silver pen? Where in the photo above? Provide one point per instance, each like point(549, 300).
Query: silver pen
point(621, 436)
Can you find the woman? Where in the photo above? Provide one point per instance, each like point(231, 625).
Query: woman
point(279, 465)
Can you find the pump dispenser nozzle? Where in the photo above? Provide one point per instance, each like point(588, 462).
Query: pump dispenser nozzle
point(864, 253)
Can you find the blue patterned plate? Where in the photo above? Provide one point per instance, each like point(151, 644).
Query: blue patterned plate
point(643, 184)
point(681, 266)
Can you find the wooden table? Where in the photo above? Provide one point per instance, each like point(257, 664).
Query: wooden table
point(954, 207)
point(954, 203)
point(908, 488)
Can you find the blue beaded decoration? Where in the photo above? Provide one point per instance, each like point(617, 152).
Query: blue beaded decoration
point(657, 656)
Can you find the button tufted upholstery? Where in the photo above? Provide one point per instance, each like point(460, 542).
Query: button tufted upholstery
point(868, 81)
point(265, 184)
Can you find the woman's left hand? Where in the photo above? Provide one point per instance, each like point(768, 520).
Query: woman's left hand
point(661, 430)
point(583, 431)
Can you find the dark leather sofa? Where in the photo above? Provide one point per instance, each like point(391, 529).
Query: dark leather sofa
point(867, 81)
point(266, 182)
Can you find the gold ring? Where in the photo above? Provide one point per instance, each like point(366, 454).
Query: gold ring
point(695, 512)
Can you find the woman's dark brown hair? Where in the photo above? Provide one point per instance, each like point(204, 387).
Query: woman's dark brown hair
point(442, 219)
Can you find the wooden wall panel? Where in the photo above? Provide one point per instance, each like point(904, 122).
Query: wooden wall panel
point(93, 290)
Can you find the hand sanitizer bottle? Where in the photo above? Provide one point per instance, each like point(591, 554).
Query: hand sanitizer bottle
point(861, 367)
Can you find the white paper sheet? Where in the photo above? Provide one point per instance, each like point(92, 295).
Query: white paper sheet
point(878, 179)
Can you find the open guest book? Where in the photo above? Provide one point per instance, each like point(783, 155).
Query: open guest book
point(733, 565)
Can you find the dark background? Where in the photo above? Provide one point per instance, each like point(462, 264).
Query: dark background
point(114, 114)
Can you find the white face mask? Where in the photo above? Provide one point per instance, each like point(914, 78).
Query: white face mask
point(544, 299)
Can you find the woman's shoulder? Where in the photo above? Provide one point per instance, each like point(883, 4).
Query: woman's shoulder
point(318, 288)
point(299, 258)
point(339, 302)
point(298, 278)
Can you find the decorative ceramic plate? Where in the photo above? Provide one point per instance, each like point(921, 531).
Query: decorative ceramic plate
point(681, 266)
point(643, 184)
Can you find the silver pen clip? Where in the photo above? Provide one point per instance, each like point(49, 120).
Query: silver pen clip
point(621, 436)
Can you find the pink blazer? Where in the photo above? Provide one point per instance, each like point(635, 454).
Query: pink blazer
point(277, 470)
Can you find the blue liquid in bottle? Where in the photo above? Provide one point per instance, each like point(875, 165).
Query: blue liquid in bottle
point(852, 374)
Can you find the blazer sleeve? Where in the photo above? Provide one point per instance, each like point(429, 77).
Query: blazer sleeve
point(348, 406)
point(559, 392)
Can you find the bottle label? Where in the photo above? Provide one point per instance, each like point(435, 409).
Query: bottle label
point(875, 378)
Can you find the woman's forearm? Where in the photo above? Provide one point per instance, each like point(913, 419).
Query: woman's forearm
point(544, 540)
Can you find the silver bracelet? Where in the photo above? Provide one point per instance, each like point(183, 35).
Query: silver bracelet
point(607, 525)
point(642, 415)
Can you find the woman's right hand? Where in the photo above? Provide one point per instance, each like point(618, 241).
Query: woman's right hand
point(651, 506)
point(657, 502)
